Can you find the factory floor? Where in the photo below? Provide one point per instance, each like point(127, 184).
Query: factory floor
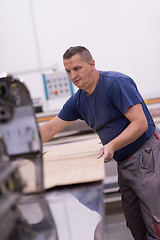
point(115, 226)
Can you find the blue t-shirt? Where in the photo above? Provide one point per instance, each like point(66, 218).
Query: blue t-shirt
point(104, 110)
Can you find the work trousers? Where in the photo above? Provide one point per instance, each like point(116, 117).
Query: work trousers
point(139, 181)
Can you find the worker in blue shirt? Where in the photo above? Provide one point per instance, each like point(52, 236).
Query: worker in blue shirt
point(110, 103)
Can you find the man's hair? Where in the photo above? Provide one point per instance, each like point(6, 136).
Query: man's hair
point(82, 51)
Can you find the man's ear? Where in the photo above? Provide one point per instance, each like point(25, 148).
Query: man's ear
point(92, 64)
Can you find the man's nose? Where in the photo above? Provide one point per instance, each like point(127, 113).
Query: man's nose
point(73, 74)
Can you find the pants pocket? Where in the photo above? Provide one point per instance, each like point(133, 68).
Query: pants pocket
point(147, 159)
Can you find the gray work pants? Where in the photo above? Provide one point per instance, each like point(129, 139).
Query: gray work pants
point(139, 181)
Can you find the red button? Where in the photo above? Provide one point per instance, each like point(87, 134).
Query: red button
point(55, 91)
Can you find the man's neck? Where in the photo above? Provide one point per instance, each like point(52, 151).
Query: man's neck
point(95, 78)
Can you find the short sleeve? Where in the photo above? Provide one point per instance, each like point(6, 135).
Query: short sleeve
point(69, 111)
point(124, 94)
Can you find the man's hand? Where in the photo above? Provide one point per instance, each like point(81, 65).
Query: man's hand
point(107, 152)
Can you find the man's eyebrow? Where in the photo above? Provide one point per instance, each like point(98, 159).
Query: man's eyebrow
point(77, 66)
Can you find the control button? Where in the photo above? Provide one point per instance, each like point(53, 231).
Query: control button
point(56, 91)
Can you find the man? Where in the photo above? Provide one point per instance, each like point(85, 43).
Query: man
point(111, 104)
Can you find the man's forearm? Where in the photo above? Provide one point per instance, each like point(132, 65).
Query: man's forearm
point(129, 135)
point(52, 127)
point(138, 125)
point(45, 133)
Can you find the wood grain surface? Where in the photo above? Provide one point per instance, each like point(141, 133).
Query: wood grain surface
point(68, 163)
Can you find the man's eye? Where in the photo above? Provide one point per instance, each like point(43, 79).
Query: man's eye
point(77, 68)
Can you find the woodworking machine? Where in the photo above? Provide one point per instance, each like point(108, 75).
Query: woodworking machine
point(70, 212)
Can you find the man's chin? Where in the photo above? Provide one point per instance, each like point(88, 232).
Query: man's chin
point(78, 85)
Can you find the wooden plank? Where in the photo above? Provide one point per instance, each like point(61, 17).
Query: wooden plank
point(73, 163)
point(66, 164)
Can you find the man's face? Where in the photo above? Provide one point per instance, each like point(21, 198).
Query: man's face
point(79, 71)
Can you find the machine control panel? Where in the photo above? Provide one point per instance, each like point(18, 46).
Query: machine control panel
point(57, 85)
